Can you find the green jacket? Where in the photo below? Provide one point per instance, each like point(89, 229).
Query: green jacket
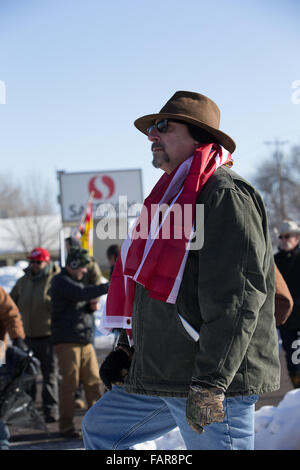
point(226, 296)
point(31, 294)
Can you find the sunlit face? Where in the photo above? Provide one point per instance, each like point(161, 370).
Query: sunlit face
point(78, 273)
point(37, 266)
point(172, 147)
point(288, 241)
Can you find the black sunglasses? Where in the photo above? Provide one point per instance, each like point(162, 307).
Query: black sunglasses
point(33, 261)
point(161, 126)
point(284, 236)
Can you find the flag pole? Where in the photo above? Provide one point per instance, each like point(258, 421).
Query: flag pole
point(62, 247)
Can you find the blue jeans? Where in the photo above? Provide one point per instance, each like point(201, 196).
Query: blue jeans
point(4, 436)
point(119, 420)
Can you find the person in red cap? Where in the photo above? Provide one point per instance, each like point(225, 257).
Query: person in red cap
point(31, 294)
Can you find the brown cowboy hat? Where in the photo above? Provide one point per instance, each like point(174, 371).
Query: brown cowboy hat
point(193, 108)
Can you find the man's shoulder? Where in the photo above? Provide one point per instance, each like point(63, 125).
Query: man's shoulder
point(226, 179)
point(61, 276)
point(22, 279)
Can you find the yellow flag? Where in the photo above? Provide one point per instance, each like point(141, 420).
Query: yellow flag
point(86, 229)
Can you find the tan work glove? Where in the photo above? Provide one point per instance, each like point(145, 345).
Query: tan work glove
point(204, 406)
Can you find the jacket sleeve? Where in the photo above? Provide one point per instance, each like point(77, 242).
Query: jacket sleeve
point(283, 299)
point(74, 291)
point(14, 293)
point(231, 284)
point(10, 316)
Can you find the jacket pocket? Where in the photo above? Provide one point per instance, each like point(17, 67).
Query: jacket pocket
point(188, 329)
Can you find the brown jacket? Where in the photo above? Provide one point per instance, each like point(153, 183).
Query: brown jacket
point(283, 299)
point(10, 318)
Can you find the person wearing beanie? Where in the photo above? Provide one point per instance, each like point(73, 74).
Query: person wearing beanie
point(288, 262)
point(72, 336)
point(92, 276)
point(31, 293)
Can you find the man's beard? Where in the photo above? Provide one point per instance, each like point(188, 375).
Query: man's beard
point(159, 160)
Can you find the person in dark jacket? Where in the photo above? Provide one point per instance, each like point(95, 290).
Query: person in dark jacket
point(72, 336)
point(288, 262)
point(92, 276)
point(199, 340)
point(31, 294)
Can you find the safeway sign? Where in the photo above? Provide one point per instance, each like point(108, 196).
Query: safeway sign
point(107, 188)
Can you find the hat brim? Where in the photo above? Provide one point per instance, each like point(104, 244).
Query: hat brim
point(144, 122)
point(291, 232)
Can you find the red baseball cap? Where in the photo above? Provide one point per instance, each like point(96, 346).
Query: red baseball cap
point(39, 254)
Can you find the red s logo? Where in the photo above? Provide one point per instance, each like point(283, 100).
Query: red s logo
point(106, 190)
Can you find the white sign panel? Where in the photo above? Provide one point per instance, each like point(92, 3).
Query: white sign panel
point(107, 186)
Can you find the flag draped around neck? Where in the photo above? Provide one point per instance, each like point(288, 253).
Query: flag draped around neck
point(155, 251)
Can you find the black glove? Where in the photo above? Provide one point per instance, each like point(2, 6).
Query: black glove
point(20, 343)
point(114, 368)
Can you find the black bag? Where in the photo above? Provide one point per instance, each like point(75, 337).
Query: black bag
point(16, 406)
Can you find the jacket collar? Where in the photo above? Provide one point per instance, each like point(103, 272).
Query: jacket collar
point(290, 254)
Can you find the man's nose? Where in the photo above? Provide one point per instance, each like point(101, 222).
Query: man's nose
point(154, 135)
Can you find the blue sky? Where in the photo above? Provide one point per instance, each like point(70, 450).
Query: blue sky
point(79, 72)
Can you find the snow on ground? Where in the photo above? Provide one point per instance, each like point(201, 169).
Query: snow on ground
point(10, 274)
point(276, 427)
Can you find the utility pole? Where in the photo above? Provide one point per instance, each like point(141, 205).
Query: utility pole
point(278, 157)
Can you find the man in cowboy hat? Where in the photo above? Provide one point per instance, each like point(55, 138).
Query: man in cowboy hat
point(288, 261)
point(199, 342)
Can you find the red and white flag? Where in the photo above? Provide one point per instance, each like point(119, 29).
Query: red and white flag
point(153, 261)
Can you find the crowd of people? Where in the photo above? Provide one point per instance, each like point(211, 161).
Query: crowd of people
point(49, 311)
point(198, 340)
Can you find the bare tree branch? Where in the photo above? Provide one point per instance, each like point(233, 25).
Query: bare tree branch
point(267, 181)
point(25, 204)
